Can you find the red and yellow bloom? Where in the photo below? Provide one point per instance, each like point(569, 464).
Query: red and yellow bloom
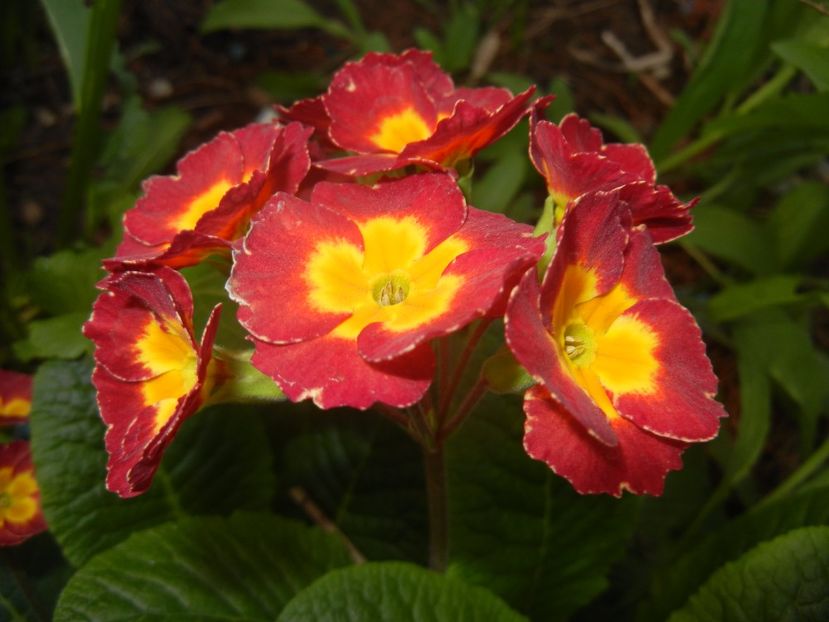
point(15, 397)
point(574, 160)
point(20, 513)
point(342, 295)
point(624, 383)
point(216, 190)
point(395, 110)
point(150, 372)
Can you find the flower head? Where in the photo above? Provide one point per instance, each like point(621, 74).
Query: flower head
point(150, 372)
point(20, 513)
point(624, 383)
point(574, 160)
point(15, 397)
point(343, 294)
point(209, 202)
point(395, 110)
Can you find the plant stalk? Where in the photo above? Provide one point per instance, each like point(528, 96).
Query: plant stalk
point(438, 510)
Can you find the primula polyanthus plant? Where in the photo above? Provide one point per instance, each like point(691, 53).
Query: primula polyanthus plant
point(364, 278)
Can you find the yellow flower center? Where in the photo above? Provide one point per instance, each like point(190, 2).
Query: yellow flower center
point(604, 350)
point(15, 407)
point(17, 503)
point(396, 131)
point(393, 280)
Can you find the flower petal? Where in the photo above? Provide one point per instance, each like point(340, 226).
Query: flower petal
point(22, 516)
point(15, 397)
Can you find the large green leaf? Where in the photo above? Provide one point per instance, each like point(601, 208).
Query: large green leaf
point(738, 300)
point(391, 592)
point(502, 181)
point(675, 583)
point(811, 58)
point(520, 530)
point(785, 579)
point(55, 337)
point(367, 477)
point(218, 463)
point(65, 282)
point(799, 223)
point(288, 14)
point(246, 567)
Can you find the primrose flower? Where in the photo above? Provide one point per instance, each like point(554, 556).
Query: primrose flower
point(15, 397)
point(574, 160)
point(395, 110)
point(624, 383)
point(150, 372)
point(342, 295)
point(20, 513)
point(210, 201)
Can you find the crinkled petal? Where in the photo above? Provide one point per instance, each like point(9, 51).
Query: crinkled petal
point(639, 462)
point(666, 217)
point(330, 372)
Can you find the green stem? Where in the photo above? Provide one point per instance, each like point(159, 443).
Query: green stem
point(805, 470)
point(102, 25)
point(435, 470)
point(475, 394)
point(770, 89)
point(460, 367)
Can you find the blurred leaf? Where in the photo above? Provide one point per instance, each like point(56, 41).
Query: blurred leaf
point(266, 14)
point(619, 127)
point(460, 38)
point(394, 591)
point(778, 114)
point(32, 576)
point(427, 40)
point(143, 143)
point(207, 282)
point(58, 337)
point(519, 529)
point(563, 103)
point(285, 87)
point(367, 477)
point(498, 187)
point(675, 583)
point(733, 237)
point(69, 20)
point(515, 82)
point(738, 300)
point(799, 224)
point(784, 579)
point(810, 58)
point(246, 567)
point(219, 462)
point(65, 282)
point(373, 42)
point(725, 62)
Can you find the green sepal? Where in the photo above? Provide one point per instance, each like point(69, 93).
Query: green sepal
point(503, 374)
point(243, 383)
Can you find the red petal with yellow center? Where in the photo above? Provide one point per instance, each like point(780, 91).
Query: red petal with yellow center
point(377, 108)
point(15, 397)
point(187, 249)
point(150, 374)
point(274, 269)
point(639, 462)
point(20, 512)
point(221, 184)
point(330, 371)
point(499, 251)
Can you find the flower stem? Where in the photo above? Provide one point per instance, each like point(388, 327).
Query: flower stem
point(469, 401)
point(435, 471)
point(460, 367)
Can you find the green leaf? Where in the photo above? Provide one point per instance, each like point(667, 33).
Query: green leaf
point(58, 337)
point(286, 87)
point(367, 477)
point(65, 282)
point(810, 58)
point(265, 14)
point(726, 61)
point(394, 591)
point(69, 20)
point(460, 38)
point(778, 114)
point(246, 567)
point(207, 283)
point(563, 103)
point(784, 579)
point(674, 584)
point(495, 190)
point(520, 530)
point(733, 237)
point(799, 223)
point(218, 463)
point(737, 300)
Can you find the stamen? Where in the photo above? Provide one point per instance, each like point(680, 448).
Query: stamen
point(391, 290)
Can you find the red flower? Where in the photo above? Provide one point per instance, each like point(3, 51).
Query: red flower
point(624, 383)
point(395, 110)
point(150, 372)
point(342, 295)
point(20, 513)
point(15, 397)
point(210, 201)
point(574, 160)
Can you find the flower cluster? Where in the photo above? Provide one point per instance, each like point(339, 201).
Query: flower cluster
point(20, 513)
point(355, 258)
